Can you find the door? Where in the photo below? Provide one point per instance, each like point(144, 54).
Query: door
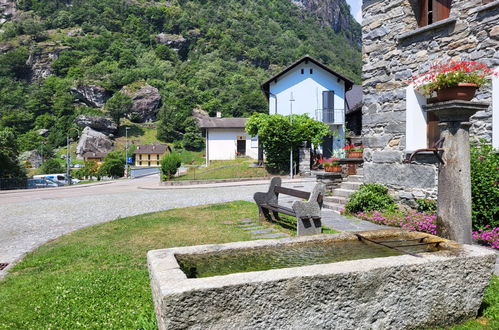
point(328, 107)
point(241, 147)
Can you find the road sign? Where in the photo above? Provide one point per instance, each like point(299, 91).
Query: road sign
point(130, 161)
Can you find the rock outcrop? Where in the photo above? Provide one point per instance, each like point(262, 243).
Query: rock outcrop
point(8, 11)
point(92, 95)
point(333, 13)
point(145, 102)
point(33, 157)
point(41, 58)
point(97, 123)
point(93, 141)
point(176, 41)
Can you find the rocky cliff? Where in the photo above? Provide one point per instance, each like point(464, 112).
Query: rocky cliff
point(333, 13)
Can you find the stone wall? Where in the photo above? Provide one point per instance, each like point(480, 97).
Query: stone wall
point(389, 61)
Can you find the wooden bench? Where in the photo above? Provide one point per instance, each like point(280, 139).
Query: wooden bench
point(307, 213)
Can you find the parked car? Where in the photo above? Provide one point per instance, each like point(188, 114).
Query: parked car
point(60, 178)
point(41, 183)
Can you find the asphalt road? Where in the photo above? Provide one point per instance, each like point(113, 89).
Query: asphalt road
point(31, 218)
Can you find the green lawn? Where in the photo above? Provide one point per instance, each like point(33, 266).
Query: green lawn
point(97, 277)
point(227, 169)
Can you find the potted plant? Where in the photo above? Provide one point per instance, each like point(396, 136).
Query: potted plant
point(353, 151)
point(454, 80)
point(331, 164)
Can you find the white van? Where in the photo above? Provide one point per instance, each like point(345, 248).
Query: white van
point(59, 178)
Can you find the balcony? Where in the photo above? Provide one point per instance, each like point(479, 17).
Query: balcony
point(330, 116)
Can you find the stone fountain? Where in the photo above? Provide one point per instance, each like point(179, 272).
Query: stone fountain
point(454, 183)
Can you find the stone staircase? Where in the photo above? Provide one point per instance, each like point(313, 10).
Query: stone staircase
point(340, 195)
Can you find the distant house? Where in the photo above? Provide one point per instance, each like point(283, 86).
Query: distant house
point(94, 156)
point(149, 155)
point(227, 139)
point(312, 88)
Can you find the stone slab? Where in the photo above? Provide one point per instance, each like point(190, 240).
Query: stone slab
point(253, 228)
point(263, 231)
point(397, 292)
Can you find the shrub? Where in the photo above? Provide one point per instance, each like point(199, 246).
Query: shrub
point(488, 236)
point(370, 197)
point(426, 205)
point(484, 185)
point(169, 165)
point(410, 220)
point(112, 167)
point(51, 166)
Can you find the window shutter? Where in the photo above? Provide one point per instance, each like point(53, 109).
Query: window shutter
point(328, 106)
point(423, 13)
point(432, 130)
point(441, 9)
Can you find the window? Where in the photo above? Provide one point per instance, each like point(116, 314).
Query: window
point(140, 157)
point(302, 71)
point(157, 157)
point(311, 71)
point(140, 163)
point(431, 11)
point(148, 157)
point(149, 164)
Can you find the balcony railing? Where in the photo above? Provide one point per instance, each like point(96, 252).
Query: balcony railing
point(330, 116)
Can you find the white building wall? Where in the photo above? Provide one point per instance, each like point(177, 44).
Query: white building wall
point(222, 144)
point(307, 90)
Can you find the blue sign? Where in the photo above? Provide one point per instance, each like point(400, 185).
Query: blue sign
point(130, 161)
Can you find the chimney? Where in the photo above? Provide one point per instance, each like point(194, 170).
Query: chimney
point(219, 114)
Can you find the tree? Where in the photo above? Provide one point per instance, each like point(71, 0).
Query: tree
point(51, 166)
point(192, 140)
point(169, 165)
point(118, 106)
point(277, 136)
point(112, 167)
point(90, 169)
point(9, 166)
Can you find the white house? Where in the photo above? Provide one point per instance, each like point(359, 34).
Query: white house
point(227, 139)
point(309, 87)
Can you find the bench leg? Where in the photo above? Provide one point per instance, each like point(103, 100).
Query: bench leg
point(308, 226)
point(264, 214)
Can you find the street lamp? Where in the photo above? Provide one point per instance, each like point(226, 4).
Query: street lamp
point(68, 160)
point(291, 100)
point(126, 151)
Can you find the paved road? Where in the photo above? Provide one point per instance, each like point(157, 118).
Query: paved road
point(30, 218)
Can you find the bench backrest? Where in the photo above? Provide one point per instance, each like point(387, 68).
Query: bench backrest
point(295, 193)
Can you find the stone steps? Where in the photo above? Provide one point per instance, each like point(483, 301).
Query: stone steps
point(341, 195)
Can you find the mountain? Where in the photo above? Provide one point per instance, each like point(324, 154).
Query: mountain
point(336, 14)
point(63, 58)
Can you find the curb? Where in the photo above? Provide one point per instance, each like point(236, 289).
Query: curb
point(218, 184)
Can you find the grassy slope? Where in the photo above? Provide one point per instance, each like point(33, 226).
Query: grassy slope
point(97, 277)
point(238, 168)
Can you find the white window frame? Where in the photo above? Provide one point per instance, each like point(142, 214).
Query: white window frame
point(415, 120)
point(495, 111)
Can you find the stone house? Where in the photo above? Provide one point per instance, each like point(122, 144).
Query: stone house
point(402, 38)
point(149, 155)
point(313, 89)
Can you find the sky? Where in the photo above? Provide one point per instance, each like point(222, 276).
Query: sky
point(356, 9)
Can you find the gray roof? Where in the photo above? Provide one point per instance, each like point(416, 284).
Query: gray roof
point(354, 99)
point(155, 148)
point(213, 122)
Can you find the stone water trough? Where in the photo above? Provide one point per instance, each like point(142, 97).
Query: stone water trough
point(366, 286)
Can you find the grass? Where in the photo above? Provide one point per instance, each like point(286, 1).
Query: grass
point(192, 157)
point(228, 169)
point(97, 277)
point(137, 134)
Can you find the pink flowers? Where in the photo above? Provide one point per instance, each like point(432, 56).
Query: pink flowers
point(410, 220)
point(488, 235)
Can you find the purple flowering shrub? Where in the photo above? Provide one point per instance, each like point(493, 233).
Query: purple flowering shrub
point(410, 220)
point(488, 236)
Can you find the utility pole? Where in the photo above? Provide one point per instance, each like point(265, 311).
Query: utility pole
point(291, 100)
point(68, 157)
point(126, 151)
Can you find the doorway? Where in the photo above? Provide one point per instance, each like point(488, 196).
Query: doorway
point(241, 147)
